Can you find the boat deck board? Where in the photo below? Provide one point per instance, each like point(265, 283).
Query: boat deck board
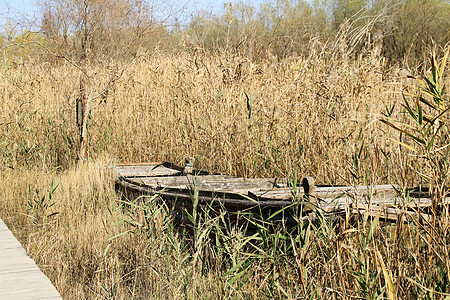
point(142, 170)
point(20, 277)
point(210, 182)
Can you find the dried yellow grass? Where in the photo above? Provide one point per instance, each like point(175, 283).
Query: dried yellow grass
point(308, 116)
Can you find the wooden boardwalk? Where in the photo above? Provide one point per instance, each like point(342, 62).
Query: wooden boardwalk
point(20, 277)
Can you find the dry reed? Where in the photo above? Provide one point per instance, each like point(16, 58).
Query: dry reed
point(297, 116)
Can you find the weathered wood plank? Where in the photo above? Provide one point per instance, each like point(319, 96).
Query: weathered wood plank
point(211, 182)
point(335, 204)
point(132, 190)
point(20, 277)
point(377, 192)
point(144, 170)
point(152, 169)
point(384, 211)
point(337, 191)
point(179, 180)
point(278, 194)
point(390, 213)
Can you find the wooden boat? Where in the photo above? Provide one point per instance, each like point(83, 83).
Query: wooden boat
point(274, 199)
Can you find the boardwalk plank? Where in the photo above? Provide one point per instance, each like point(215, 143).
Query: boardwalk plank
point(20, 277)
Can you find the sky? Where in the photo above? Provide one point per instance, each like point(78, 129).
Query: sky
point(16, 9)
point(13, 10)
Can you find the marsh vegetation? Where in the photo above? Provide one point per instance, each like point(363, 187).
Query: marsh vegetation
point(287, 89)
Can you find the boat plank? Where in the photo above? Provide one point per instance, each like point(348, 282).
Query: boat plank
point(242, 187)
point(145, 170)
point(391, 213)
point(378, 192)
point(209, 182)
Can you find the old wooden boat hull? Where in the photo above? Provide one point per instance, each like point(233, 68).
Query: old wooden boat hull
point(271, 199)
point(239, 197)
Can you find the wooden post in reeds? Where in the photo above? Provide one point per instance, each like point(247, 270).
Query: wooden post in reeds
point(188, 165)
point(309, 186)
point(83, 102)
point(82, 114)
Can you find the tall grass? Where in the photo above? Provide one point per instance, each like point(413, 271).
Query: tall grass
point(426, 128)
point(300, 115)
point(233, 115)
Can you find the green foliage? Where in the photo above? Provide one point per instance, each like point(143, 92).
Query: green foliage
point(426, 128)
point(413, 27)
point(273, 29)
point(286, 27)
point(39, 207)
point(23, 46)
point(344, 10)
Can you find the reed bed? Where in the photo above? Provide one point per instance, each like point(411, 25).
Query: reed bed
point(298, 116)
point(235, 116)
